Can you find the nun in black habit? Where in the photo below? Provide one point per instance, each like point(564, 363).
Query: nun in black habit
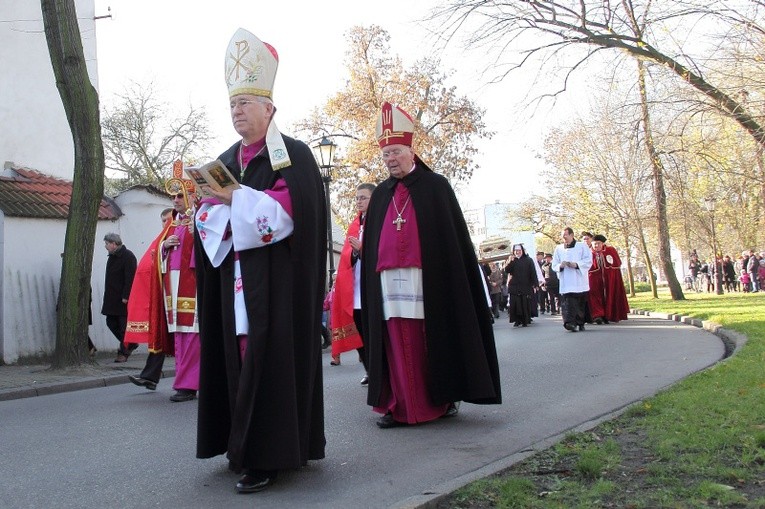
point(522, 278)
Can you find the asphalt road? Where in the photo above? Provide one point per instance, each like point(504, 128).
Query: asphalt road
point(125, 447)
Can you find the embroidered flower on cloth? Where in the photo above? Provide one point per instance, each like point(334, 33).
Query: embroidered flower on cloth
point(201, 218)
point(238, 285)
point(266, 233)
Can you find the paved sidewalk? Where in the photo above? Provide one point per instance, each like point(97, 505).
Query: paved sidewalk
point(25, 381)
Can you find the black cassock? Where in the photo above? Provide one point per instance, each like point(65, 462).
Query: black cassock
point(462, 357)
point(266, 412)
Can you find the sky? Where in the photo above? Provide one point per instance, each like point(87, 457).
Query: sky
point(179, 45)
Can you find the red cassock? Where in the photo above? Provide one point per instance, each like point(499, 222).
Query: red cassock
point(345, 336)
point(607, 299)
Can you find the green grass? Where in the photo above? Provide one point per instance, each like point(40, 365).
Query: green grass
point(700, 443)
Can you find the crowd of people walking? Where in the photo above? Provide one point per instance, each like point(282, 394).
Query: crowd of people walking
point(581, 280)
point(744, 274)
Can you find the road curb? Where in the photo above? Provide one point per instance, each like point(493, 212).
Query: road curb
point(732, 340)
point(70, 386)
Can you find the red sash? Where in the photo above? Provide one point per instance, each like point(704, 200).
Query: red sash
point(146, 310)
point(345, 336)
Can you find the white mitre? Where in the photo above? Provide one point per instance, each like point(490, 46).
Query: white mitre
point(251, 69)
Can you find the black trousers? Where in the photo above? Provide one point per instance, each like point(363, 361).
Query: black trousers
point(553, 298)
point(573, 307)
point(543, 302)
point(495, 298)
point(153, 368)
point(362, 351)
point(118, 324)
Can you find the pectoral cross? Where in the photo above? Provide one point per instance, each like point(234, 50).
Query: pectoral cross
point(398, 222)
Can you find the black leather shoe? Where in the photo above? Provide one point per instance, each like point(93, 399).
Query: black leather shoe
point(581, 327)
point(255, 480)
point(387, 421)
point(569, 326)
point(183, 395)
point(142, 382)
point(365, 380)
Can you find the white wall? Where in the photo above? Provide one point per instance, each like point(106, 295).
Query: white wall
point(31, 252)
point(2, 283)
point(32, 118)
point(31, 272)
point(139, 225)
point(141, 222)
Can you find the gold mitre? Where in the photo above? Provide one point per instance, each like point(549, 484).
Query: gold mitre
point(250, 65)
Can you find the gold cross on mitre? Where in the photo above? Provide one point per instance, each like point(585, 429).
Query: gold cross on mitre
point(388, 134)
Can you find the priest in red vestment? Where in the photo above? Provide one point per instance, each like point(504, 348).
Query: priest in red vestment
point(345, 321)
point(608, 298)
point(426, 324)
point(167, 282)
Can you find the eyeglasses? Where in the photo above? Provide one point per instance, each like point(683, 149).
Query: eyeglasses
point(241, 103)
point(178, 196)
point(392, 153)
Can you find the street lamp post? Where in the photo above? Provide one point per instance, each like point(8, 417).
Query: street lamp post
point(324, 152)
point(709, 204)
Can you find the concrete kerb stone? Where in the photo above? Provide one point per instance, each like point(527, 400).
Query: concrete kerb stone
point(732, 340)
point(71, 385)
point(59, 387)
point(430, 499)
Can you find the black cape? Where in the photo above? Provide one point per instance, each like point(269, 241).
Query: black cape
point(267, 412)
point(462, 357)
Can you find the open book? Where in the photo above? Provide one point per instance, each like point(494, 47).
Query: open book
point(212, 175)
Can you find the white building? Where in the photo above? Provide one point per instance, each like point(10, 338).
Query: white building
point(35, 187)
point(33, 128)
point(33, 216)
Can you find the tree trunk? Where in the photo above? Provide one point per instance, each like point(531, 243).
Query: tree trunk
point(80, 101)
point(647, 260)
point(662, 224)
point(628, 258)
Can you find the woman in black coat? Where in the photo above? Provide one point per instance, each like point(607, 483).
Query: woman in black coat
point(522, 278)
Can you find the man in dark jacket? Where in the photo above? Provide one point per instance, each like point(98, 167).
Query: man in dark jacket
point(120, 271)
point(551, 285)
point(427, 325)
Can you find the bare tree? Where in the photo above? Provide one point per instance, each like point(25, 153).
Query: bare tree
point(80, 101)
point(637, 29)
point(599, 172)
point(606, 24)
point(142, 138)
